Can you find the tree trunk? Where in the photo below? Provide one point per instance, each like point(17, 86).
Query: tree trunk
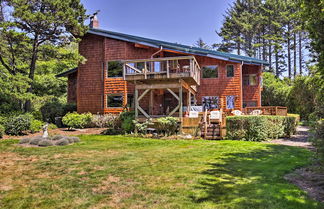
point(295, 56)
point(31, 74)
point(289, 58)
point(300, 54)
point(277, 62)
point(270, 56)
point(239, 48)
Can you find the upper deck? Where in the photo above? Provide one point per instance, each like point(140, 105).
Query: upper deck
point(166, 68)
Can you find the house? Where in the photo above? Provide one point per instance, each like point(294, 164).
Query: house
point(159, 78)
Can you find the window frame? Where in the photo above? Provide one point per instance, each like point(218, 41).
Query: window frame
point(211, 98)
point(107, 71)
point(227, 102)
point(248, 81)
point(227, 71)
point(216, 69)
point(115, 94)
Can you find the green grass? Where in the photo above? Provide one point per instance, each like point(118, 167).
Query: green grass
point(120, 172)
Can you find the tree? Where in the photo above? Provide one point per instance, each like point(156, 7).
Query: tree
point(33, 24)
point(266, 30)
point(313, 16)
point(201, 44)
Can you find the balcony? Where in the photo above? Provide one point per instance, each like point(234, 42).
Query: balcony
point(166, 68)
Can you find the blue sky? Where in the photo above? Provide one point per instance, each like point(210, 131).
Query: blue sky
point(181, 21)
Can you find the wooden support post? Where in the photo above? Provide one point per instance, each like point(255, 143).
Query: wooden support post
point(136, 109)
point(180, 108)
point(168, 69)
point(151, 105)
point(189, 101)
point(136, 104)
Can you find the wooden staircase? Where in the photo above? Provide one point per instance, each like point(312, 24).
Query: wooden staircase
point(211, 129)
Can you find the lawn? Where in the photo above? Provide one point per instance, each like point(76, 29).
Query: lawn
point(120, 172)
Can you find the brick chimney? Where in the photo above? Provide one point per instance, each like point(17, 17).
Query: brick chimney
point(94, 23)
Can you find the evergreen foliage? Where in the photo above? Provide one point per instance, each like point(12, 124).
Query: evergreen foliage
point(270, 30)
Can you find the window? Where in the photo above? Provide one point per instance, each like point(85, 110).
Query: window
point(210, 102)
point(210, 71)
point(250, 104)
point(253, 80)
point(140, 65)
point(115, 69)
point(230, 102)
point(230, 70)
point(250, 80)
point(114, 100)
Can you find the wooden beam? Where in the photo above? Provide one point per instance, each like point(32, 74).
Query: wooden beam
point(134, 68)
point(144, 113)
point(159, 59)
point(180, 107)
point(145, 92)
point(158, 86)
point(174, 110)
point(176, 96)
point(151, 105)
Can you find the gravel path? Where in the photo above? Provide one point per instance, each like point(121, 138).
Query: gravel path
point(300, 139)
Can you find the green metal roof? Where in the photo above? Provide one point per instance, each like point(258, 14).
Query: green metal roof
point(178, 47)
point(68, 72)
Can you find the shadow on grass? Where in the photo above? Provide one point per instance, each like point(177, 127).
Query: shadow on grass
point(254, 180)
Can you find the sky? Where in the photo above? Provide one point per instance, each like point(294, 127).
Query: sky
point(181, 21)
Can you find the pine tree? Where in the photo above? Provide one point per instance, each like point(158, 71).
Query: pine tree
point(33, 24)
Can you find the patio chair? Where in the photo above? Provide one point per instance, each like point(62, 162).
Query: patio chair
point(256, 112)
point(237, 112)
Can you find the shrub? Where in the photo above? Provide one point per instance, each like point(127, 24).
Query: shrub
point(3, 119)
point(62, 142)
point(318, 140)
point(36, 126)
point(112, 131)
point(126, 119)
point(167, 125)
point(45, 143)
point(25, 141)
point(2, 131)
point(55, 108)
point(75, 120)
point(17, 125)
point(142, 127)
point(51, 126)
point(290, 124)
point(259, 128)
point(105, 121)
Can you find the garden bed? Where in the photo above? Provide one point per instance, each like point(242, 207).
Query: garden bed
point(61, 131)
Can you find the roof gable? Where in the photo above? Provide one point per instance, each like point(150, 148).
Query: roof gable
point(177, 47)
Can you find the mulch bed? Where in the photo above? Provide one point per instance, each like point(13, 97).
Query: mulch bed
point(309, 179)
point(61, 131)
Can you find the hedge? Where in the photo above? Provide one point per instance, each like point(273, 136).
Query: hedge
point(260, 128)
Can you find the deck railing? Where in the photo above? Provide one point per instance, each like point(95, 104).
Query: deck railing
point(168, 67)
point(268, 110)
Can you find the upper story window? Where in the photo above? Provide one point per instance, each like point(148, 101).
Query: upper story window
point(230, 70)
point(210, 71)
point(115, 69)
point(250, 80)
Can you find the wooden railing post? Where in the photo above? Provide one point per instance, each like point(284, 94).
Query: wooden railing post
point(168, 69)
